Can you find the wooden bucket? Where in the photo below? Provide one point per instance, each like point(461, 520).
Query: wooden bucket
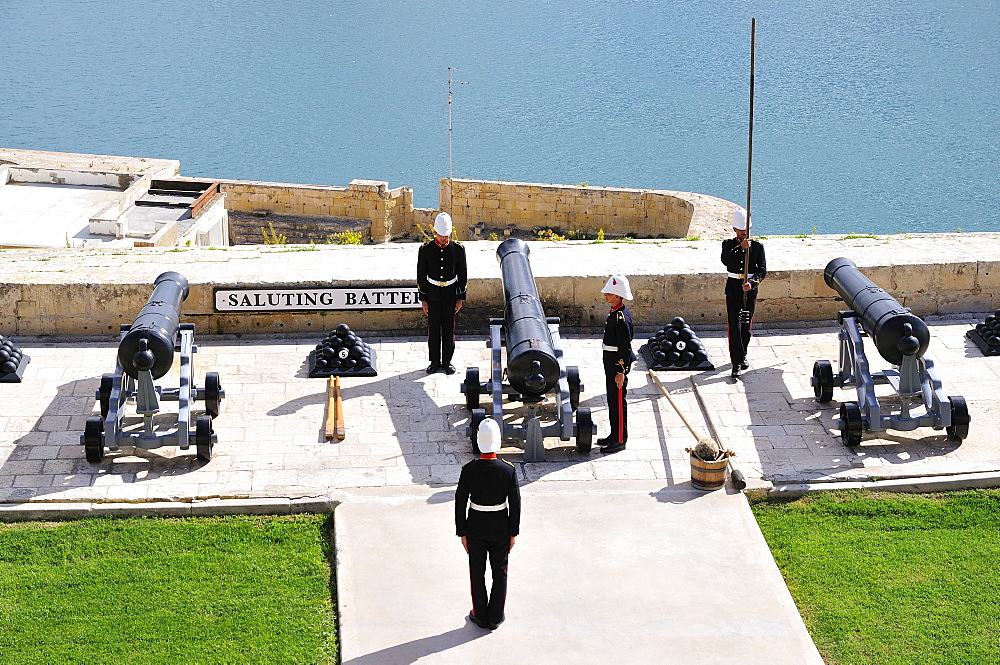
point(708, 475)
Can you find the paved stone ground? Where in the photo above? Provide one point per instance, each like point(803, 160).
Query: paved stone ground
point(404, 427)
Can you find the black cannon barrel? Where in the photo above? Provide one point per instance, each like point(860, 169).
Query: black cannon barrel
point(532, 366)
point(149, 343)
point(882, 317)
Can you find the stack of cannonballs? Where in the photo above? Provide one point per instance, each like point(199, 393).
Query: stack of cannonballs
point(342, 353)
point(12, 361)
point(986, 335)
point(676, 346)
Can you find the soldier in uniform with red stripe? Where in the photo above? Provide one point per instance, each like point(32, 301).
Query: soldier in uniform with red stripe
point(441, 279)
point(488, 518)
point(618, 359)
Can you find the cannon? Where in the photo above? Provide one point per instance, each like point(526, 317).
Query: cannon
point(901, 338)
point(146, 352)
point(534, 367)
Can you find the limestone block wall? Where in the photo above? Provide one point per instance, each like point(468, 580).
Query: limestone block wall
point(390, 211)
point(92, 292)
point(616, 210)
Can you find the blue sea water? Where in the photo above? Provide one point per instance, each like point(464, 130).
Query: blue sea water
point(870, 117)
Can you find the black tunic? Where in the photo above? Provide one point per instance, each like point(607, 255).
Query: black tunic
point(442, 264)
point(488, 482)
point(734, 258)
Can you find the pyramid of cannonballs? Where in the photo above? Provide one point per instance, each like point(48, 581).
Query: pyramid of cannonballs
point(676, 346)
point(342, 353)
point(12, 361)
point(986, 335)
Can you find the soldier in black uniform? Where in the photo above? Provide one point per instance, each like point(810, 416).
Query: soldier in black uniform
point(618, 359)
point(740, 294)
point(441, 280)
point(488, 518)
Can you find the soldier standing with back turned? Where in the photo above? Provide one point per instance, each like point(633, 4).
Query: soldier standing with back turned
point(741, 295)
point(488, 518)
point(441, 279)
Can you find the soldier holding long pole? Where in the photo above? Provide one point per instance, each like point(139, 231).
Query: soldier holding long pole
point(742, 256)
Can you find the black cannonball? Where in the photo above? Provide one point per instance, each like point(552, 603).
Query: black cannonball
point(342, 330)
point(996, 328)
point(334, 363)
point(687, 355)
point(653, 341)
point(319, 347)
point(671, 334)
point(667, 345)
point(349, 362)
point(993, 340)
point(685, 334)
point(4, 355)
point(981, 328)
point(336, 343)
point(350, 339)
point(328, 353)
point(364, 361)
point(673, 355)
point(997, 313)
point(321, 362)
point(356, 352)
point(9, 366)
point(990, 319)
point(343, 352)
point(700, 356)
point(677, 323)
point(659, 355)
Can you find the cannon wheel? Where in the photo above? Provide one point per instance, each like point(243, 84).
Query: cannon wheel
point(478, 416)
point(851, 426)
point(471, 388)
point(573, 378)
point(959, 428)
point(213, 395)
point(584, 430)
point(823, 381)
point(104, 394)
point(203, 437)
point(93, 440)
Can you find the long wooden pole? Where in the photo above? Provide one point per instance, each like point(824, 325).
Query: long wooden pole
point(753, 48)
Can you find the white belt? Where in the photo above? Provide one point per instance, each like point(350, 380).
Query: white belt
point(613, 349)
point(734, 275)
point(448, 283)
point(488, 509)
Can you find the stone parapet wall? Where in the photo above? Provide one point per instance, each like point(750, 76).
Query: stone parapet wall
point(88, 292)
point(390, 210)
point(617, 211)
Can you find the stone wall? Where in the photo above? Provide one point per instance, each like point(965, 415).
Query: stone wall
point(494, 205)
point(87, 292)
point(390, 211)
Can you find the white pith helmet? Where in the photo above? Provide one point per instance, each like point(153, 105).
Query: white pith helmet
point(442, 224)
point(618, 285)
point(740, 219)
point(488, 437)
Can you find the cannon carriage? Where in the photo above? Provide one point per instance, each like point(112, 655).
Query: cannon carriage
point(145, 353)
point(901, 338)
point(534, 368)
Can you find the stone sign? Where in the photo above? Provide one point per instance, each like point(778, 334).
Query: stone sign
point(318, 298)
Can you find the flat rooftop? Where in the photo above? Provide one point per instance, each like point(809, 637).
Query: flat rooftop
point(47, 215)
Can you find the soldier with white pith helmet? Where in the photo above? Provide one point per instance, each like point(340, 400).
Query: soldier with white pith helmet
point(745, 273)
point(488, 519)
point(441, 280)
point(618, 358)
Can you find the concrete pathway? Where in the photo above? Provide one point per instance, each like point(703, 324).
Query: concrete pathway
point(603, 572)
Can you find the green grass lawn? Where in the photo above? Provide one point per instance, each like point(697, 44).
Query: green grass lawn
point(146, 590)
point(890, 578)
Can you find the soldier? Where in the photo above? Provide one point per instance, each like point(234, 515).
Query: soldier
point(741, 290)
point(441, 279)
point(618, 359)
point(487, 518)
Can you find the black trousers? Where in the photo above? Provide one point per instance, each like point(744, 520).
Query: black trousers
point(488, 608)
point(739, 336)
point(441, 330)
point(617, 405)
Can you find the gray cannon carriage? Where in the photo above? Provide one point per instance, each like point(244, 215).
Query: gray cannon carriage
point(145, 353)
point(901, 338)
point(534, 366)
